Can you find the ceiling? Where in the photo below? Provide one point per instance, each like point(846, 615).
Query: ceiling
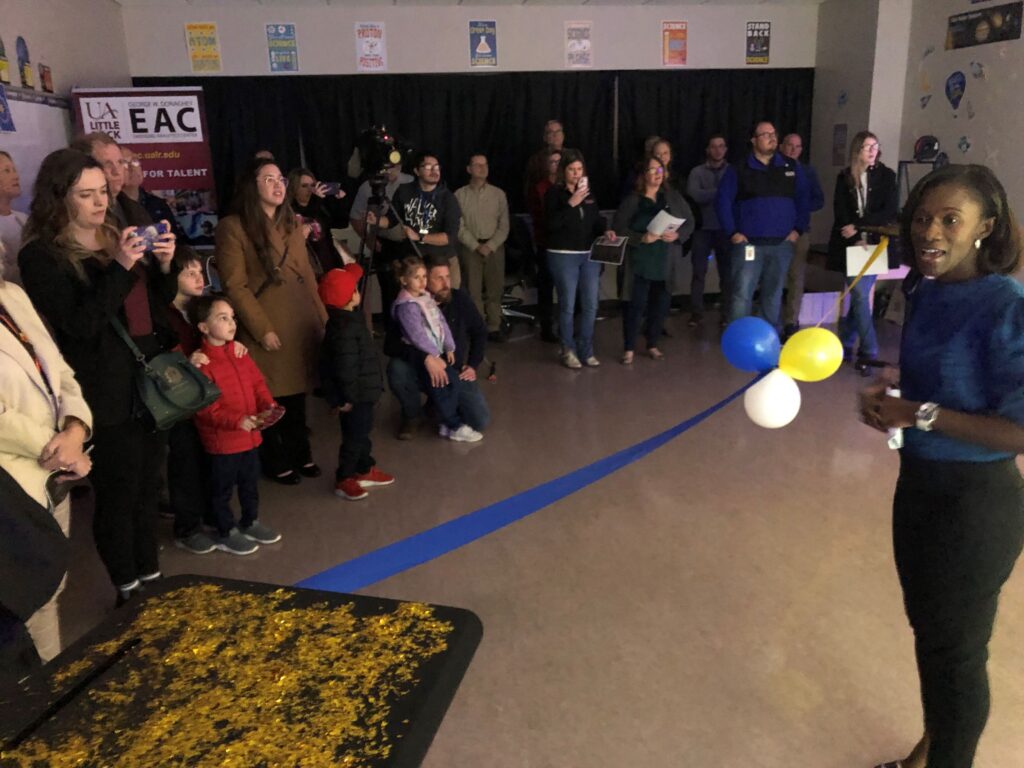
point(365, 3)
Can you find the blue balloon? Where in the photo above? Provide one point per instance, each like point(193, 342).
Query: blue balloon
point(751, 344)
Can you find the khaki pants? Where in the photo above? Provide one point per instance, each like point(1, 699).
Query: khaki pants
point(44, 625)
point(485, 281)
point(795, 281)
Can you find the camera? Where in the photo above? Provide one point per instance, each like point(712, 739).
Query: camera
point(378, 150)
point(151, 233)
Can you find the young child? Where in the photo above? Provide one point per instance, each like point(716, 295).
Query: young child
point(424, 327)
point(229, 427)
point(188, 481)
point(352, 382)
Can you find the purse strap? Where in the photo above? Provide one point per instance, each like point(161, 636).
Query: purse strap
point(270, 278)
point(140, 358)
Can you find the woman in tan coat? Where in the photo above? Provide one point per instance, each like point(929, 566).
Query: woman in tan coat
point(44, 421)
point(262, 261)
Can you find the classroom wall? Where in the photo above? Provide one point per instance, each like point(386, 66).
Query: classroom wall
point(435, 38)
point(82, 41)
point(985, 127)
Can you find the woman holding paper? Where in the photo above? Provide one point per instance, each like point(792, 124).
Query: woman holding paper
point(572, 221)
point(866, 194)
point(652, 216)
point(958, 512)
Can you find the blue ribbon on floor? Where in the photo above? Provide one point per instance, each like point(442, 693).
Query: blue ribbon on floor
point(422, 547)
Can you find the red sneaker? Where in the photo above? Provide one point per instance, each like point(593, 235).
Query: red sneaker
point(374, 478)
point(349, 489)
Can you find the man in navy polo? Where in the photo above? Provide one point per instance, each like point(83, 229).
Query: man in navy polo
point(763, 206)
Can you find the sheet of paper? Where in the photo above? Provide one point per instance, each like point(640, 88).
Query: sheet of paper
point(664, 222)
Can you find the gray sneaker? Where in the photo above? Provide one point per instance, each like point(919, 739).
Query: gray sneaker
point(236, 544)
point(197, 543)
point(264, 534)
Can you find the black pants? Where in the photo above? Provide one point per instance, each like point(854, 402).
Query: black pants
point(18, 655)
point(545, 292)
point(653, 297)
point(354, 454)
point(286, 444)
point(227, 472)
point(126, 482)
point(188, 479)
point(958, 528)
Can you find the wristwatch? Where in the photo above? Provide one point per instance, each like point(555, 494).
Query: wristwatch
point(926, 416)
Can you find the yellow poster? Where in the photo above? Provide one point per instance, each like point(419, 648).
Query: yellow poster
point(203, 47)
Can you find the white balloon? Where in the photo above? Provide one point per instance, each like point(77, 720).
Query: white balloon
point(774, 401)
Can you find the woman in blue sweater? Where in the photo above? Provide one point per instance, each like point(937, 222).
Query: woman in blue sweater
point(958, 512)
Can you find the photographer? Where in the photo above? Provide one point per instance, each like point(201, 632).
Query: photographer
point(387, 245)
point(431, 216)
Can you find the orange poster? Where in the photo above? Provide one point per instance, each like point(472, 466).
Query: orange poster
point(673, 43)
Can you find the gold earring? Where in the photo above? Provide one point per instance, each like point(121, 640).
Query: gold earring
point(977, 244)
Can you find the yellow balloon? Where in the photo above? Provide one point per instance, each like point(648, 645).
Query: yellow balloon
point(812, 354)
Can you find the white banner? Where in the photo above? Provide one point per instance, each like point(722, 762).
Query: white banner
point(146, 119)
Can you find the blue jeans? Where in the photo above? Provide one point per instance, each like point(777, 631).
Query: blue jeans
point(650, 295)
point(767, 270)
point(704, 242)
point(405, 384)
point(858, 321)
point(571, 271)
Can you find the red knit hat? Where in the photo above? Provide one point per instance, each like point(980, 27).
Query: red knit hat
point(337, 285)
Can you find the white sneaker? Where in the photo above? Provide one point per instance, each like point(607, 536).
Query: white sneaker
point(465, 434)
point(569, 359)
point(592, 362)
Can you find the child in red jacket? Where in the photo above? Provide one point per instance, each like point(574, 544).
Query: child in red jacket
point(229, 428)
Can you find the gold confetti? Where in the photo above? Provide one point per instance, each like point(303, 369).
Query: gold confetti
point(222, 678)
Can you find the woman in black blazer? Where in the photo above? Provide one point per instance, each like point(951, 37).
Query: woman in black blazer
point(866, 194)
point(80, 271)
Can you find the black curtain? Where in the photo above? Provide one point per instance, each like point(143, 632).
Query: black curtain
point(500, 114)
point(686, 106)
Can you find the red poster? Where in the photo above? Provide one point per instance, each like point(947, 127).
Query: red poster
point(166, 128)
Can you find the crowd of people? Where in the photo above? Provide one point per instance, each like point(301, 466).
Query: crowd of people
point(85, 296)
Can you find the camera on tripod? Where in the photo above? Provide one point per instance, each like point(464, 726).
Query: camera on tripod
point(379, 150)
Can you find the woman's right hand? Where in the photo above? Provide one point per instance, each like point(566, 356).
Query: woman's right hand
point(848, 231)
point(270, 342)
point(649, 237)
point(579, 195)
point(130, 249)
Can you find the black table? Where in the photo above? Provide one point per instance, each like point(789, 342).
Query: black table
point(218, 672)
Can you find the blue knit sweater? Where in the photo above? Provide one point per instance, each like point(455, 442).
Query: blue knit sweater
point(963, 348)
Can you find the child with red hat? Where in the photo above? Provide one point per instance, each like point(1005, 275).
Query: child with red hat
point(352, 381)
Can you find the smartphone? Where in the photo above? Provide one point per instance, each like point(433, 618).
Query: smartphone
point(151, 233)
point(331, 188)
point(584, 183)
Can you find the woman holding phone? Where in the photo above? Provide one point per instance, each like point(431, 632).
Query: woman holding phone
point(572, 221)
point(265, 272)
point(79, 272)
point(311, 200)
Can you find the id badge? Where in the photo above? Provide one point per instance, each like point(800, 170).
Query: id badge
point(748, 253)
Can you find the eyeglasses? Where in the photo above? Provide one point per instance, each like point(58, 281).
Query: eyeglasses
point(434, 167)
point(765, 135)
point(871, 146)
point(658, 170)
point(272, 180)
point(111, 165)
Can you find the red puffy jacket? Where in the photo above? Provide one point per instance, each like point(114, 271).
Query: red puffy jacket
point(243, 393)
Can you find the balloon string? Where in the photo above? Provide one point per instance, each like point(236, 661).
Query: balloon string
point(838, 308)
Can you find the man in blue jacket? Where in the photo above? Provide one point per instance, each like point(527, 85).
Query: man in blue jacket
point(763, 206)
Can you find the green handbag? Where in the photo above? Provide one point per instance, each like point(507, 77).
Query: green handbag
point(170, 387)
